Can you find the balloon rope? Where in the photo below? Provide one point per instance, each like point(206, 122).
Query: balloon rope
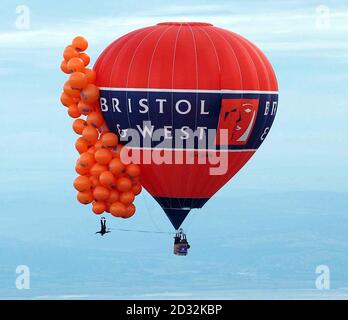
point(149, 212)
point(142, 231)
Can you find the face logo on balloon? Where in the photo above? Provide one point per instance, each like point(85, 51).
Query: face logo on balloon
point(238, 116)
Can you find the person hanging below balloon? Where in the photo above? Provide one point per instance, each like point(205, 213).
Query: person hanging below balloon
point(103, 229)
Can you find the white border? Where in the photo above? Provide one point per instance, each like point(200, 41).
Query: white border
point(223, 91)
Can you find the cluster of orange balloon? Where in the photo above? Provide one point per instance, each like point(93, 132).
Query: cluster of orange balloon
point(103, 179)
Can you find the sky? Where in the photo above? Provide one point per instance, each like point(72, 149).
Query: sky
point(281, 216)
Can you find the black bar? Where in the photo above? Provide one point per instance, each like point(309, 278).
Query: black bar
point(174, 309)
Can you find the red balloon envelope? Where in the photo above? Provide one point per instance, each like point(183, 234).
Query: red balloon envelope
point(173, 81)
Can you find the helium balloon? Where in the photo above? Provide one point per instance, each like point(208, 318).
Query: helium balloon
point(86, 160)
point(99, 207)
point(85, 197)
point(133, 170)
point(103, 156)
point(85, 108)
point(116, 166)
point(70, 53)
point(73, 111)
point(70, 91)
point(114, 196)
point(118, 209)
point(109, 140)
point(97, 169)
point(90, 134)
point(82, 183)
point(184, 79)
point(81, 145)
point(66, 100)
point(90, 93)
point(75, 65)
point(64, 67)
point(107, 179)
point(101, 193)
point(81, 170)
point(124, 184)
point(98, 145)
point(127, 197)
point(95, 119)
point(136, 188)
point(79, 125)
point(129, 212)
point(80, 43)
point(78, 80)
point(85, 58)
point(94, 181)
point(92, 150)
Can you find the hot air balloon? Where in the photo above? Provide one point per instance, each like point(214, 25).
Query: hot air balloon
point(182, 78)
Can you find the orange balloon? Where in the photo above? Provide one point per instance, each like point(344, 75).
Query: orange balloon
point(90, 94)
point(73, 111)
point(103, 156)
point(85, 108)
point(95, 119)
point(107, 179)
point(124, 184)
point(85, 197)
point(116, 166)
point(64, 67)
point(69, 53)
point(78, 80)
point(114, 196)
point(81, 145)
point(97, 169)
point(133, 170)
point(75, 64)
point(98, 145)
point(98, 207)
point(86, 160)
point(91, 75)
point(82, 184)
point(80, 43)
point(127, 197)
point(78, 125)
point(75, 93)
point(94, 181)
point(81, 170)
point(91, 150)
point(118, 209)
point(66, 100)
point(109, 140)
point(85, 58)
point(137, 188)
point(129, 212)
point(101, 193)
point(90, 134)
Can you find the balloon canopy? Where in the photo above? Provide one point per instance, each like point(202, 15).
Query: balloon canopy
point(188, 81)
